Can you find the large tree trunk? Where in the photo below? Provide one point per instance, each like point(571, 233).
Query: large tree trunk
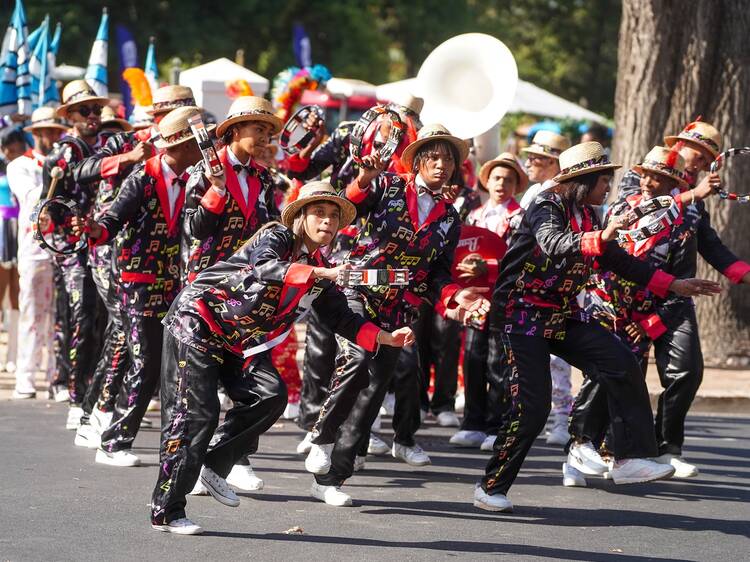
point(679, 59)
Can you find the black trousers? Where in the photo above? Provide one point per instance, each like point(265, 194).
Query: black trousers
point(484, 382)
point(62, 330)
point(317, 367)
point(190, 414)
point(592, 349)
point(144, 341)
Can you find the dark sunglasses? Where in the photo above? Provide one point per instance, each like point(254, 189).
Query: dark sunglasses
point(85, 110)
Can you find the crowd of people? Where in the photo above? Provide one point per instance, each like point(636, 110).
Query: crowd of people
point(192, 282)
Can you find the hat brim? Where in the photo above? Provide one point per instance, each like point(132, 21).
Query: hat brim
point(126, 125)
point(539, 152)
point(38, 126)
point(62, 111)
point(640, 168)
point(601, 167)
point(271, 119)
point(161, 144)
point(671, 140)
point(487, 167)
point(407, 157)
point(348, 210)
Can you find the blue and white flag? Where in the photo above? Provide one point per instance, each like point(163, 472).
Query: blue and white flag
point(38, 64)
point(52, 95)
point(14, 66)
point(150, 68)
point(301, 46)
point(34, 36)
point(96, 71)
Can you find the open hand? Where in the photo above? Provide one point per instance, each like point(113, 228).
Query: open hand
point(695, 287)
point(397, 338)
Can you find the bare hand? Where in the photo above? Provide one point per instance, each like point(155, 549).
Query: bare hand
point(471, 267)
point(708, 186)
point(219, 182)
point(617, 222)
point(695, 287)
point(450, 192)
point(330, 273)
point(80, 226)
point(636, 331)
point(397, 338)
point(142, 151)
point(372, 166)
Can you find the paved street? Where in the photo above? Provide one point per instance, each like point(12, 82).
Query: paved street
point(57, 504)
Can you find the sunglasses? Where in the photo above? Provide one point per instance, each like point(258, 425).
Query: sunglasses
point(85, 110)
point(541, 160)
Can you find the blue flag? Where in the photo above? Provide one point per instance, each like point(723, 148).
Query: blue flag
point(96, 71)
point(128, 53)
point(52, 94)
point(38, 65)
point(301, 45)
point(152, 71)
point(15, 88)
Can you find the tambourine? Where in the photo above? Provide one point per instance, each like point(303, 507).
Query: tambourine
point(368, 118)
point(208, 150)
point(716, 166)
point(52, 224)
point(373, 277)
point(662, 212)
point(297, 132)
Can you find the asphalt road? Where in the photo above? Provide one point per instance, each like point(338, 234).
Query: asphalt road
point(57, 504)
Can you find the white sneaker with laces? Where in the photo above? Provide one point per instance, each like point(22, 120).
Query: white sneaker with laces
point(318, 460)
point(496, 502)
point(489, 443)
point(303, 447)
point(377, 446)
point(632, 471)
point(682, 469)
point(572, 478)
point(199, 489)
point(332, 495)
point(243, 477)
point(100, 420)
point(117, 458)
point(584, 458)
point(183, 526)
point(23, 395)
point(558, 433)
point(359, 463)
point(466, 438)
point(448, 419)
point(414, 456)
point(87, 436)
point(218, 488)
point(75, 413)
point(291, 412)
point(389, 404)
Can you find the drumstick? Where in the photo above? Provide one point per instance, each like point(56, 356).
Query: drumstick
point(56, 174)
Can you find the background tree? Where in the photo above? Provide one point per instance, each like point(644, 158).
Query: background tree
point(679, 59)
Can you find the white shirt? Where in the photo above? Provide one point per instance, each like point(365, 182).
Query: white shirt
point(25, 182)
point(530, 196)
point(242, 175)
point(173, 189)
point(425, 201)
point(491, 217)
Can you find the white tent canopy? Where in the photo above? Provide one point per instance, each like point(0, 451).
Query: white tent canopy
point(209, 81)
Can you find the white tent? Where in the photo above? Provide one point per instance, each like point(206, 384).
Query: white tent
point(209, 81)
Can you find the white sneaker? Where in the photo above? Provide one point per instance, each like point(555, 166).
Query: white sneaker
point(496, 502)
point(584, 458)
point(146, 422)
point(199, 489)
point(100, 420)
point(117, 458)
point(318, 460)
point(154, 405)
point(558, 433)
point(465, 438)
point(448, 419)
point(377, 446)
point(572, 478)
point(23, 395)
point(332, 495)
point(414, 456)
point(389, 404)
point(218, 488)
point(59, 393)
point(682, 469)
point(182, 526)
point(243, 477)
point(377, 424)
point(359, 463)
point(87, 436)
point(75, 413)
point(291, 412)
point(303, 447)
point(489, 443)
point(631, 471)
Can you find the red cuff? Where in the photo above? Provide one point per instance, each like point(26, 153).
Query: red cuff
point(653, 326)
point(367, 336)
point(101, 240)
point(213, 202)
point(737, 271)
point(298, 275)
point(296, 163)
point(660, 282)
point(591, 243)
point(354, 193)
point(110, 166)
point(493, 270)
point(448, 292)
point(135, 277)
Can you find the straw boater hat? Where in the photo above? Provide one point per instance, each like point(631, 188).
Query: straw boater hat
point(581, 159)
point(508, 160)
point(109, 117)
point(167, 98)
point(250, 108)
point(431, 133)
point(547, 143)
point(319, 191)
point(662, 160)
point(703, 134)
point(174, 129)
point(45, 118)
point(77, 92)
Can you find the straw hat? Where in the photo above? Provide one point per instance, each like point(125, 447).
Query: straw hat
point(319, 191)
point(77, 92)
point(174, 128)
point(581, 159)
point(167, 98)
point(250, 108)
point(504, 159)
point(431, 133)
point(547, 143)
point(662, 160)
point(45, 118)
point(109, 116)
point(700, 133)
point(407, 103)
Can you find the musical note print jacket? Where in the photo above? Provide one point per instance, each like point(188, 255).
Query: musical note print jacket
point(256, 295)
point(147, 259)
point(334, 152)
point(215, 226)
point(550, 258)
point(392, 238)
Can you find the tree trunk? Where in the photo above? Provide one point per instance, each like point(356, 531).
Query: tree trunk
point(679, 59)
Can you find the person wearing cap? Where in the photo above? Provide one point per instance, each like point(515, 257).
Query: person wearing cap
point(36, 284)
point(408, 224)
point(222, 327)
point(534, 313)
point(502, 178)
point(147, 212)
